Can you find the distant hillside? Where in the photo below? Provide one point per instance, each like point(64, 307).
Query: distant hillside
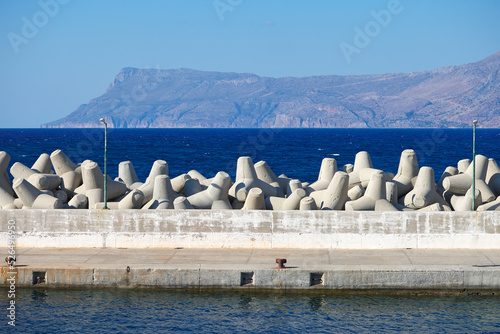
point(447, 97)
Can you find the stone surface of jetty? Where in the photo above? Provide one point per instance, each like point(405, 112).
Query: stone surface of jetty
point(409, 271)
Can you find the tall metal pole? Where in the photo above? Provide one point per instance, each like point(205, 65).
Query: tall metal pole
point(105, 163)
point(474, 166)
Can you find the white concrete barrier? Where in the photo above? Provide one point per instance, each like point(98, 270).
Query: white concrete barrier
point(252, 229)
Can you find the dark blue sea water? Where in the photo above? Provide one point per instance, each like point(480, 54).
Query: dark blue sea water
point(159, 311)
point(294, 152)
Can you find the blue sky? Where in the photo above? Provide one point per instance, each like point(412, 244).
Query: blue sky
point(58, 54)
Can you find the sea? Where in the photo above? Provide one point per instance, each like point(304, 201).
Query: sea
point(297, 153)
point(163, 311)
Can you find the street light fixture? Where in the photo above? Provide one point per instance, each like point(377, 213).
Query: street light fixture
point(474, 166)
point(105, 163)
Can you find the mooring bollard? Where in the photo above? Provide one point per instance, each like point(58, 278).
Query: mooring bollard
point(281, 263)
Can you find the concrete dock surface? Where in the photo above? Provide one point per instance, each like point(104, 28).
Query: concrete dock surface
point(413, 270)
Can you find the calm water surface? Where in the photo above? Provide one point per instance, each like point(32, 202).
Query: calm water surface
point(158, 311)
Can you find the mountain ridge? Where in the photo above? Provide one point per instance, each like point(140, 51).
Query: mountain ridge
point(450, 96)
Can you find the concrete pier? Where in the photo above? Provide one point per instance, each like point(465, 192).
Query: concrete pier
point(261, 229)
point(415, 251)
point(404, 270)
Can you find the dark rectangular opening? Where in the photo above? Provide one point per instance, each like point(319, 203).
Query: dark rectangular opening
point(316, 279)
point(38, 277)
point(247, 278)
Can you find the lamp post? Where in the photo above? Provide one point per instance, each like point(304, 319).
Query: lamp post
point(474, 166)
point(105, 163)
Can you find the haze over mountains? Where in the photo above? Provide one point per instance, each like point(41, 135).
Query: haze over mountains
point(447, 97)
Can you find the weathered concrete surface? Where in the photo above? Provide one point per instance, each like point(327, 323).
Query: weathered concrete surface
point(413, 270)
point(252, 229)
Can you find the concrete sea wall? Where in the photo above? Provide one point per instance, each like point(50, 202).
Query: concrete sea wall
point(215, 229)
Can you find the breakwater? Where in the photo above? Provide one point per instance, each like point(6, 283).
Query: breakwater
point(56, 182)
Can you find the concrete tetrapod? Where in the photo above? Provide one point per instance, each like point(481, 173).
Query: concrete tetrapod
point(200, 177)
point(17, 203)
point(361, 161)
point(94, 179)
point(464, 203)
point(179, 182)
point(127, 173)
point(493, 176)
point(6, 191)
point(355, 192)
point(255, 200)
point(391, 192)
point(292, 185)
point(365, 175)
point(163, 189)
point(463, 165)
point(374, 191)
point(61, 194)
point(348, 168)
point(487, 194)
point(424, 193)
point(491, 206)
point(335, 196)
point(436, 207)
point(246, 179)
point(449, 171)
point(44, 181)
point(384, 205)
point(283, 181)
point(6, 199)
point(92, 176)
point(407, 170)
point(163, 194)
point(115, 188)
point(40, 181)
point(33, 197)
point(221, 205)
point(292, 202)
point(217, 190)
point(133, 200)
point(70, 181)
point(237, 205)
point(20, 171)
point(308, 203)
point(160, 167)
point(43, 164)
point(326, 174)
point(79, 201)
point(460, 184)
point(264, 173)
point(4, 177)
point(94, 196)
point(61, 163)
point(191, 187)
point(182, 203)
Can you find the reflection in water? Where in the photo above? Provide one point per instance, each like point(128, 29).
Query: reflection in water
point(246, 301)
point(38, 295)
point(317, 302)
point(159, 311)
